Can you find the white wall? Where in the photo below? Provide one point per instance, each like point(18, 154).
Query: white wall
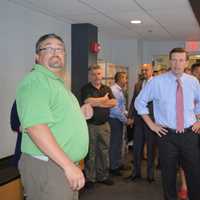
point(20, 28)
point(132, 53)
point(106, 47)
point(154, 48)
point(126, 52)
point(122, 52)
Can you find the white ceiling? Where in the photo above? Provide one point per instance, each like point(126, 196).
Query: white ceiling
point(162, 19)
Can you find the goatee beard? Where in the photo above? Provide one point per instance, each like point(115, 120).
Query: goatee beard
point(55, 63)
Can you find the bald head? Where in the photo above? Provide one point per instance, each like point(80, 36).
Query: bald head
point(146, 71)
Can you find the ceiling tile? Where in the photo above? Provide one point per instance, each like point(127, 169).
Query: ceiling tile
point(161, 19)
point(162, 4)
point(108, 6)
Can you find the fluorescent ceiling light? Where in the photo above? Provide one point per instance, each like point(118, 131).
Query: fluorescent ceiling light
point(136, 21)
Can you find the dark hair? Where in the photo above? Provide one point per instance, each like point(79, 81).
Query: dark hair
point(195, 66)
point(187, 69)
point(178, 50)
point(119, 75)
point(94, 67)
point(45, 37)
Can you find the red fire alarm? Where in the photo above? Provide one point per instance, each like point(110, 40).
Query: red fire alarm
point(95, 47)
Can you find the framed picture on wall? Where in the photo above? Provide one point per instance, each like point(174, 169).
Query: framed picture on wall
point(160, 62)
point(109, 71)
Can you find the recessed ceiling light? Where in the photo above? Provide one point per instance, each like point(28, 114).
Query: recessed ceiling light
point(136, 21)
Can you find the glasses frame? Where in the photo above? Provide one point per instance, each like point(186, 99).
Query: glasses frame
point(51, 50)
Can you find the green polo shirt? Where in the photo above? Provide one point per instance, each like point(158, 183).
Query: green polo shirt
point(43, 99)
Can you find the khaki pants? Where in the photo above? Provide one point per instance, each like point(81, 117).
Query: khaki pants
point(97, 160)
point(44, 180)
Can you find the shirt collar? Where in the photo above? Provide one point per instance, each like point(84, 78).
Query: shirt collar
point(118, 87)
point(47, 72)
point(91, 85)
point(173, 77)
point(150, 78)
point(147, 80)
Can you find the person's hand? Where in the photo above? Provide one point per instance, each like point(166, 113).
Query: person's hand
point(74, 176)
point(87, 111)
point(158, 129)
point(106, 97)
point(196, 127)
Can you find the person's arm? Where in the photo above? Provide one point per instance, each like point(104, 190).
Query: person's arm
point(87, 111)
point(110, 100)
point(158, 129)
point(131, 107)
point(96, 101)
point(103, 102)
point(196, 125)
point(132, 111)
point(142, 99)
point(118, 111)
point(44, 139)
point(87, 98)
point(146, 95)
point(109, 103)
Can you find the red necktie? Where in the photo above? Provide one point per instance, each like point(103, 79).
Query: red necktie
point(179, 107)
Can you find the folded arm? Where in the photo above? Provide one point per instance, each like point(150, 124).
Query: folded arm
point(103, 102)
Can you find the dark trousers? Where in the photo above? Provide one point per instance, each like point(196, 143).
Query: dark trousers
point(116, 138)
point(17, 154)
point(183, 147)
point(143, 134)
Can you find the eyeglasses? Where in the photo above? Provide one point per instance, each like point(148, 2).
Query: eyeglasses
point(52, 50)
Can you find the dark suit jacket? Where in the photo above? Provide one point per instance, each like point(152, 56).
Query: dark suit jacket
point(15, 126)
point(14, 119)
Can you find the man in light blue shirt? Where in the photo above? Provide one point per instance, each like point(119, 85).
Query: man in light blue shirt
point(117, 120)
point(175, 145)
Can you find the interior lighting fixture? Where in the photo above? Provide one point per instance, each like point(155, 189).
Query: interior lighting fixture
point(136, 21)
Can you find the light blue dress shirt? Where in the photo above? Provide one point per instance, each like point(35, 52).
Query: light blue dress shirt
point(119, 111)
point(162, 91)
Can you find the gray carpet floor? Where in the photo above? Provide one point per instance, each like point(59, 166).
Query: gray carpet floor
point(127, 190)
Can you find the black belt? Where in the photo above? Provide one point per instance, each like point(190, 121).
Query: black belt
point(174, 130)
point(97, 123)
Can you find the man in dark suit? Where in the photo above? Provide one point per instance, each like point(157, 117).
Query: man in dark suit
point(142, 134)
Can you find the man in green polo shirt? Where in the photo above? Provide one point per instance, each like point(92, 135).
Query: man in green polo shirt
point(55, 134)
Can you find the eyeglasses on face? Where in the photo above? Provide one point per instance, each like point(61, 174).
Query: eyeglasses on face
point(51, 50)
